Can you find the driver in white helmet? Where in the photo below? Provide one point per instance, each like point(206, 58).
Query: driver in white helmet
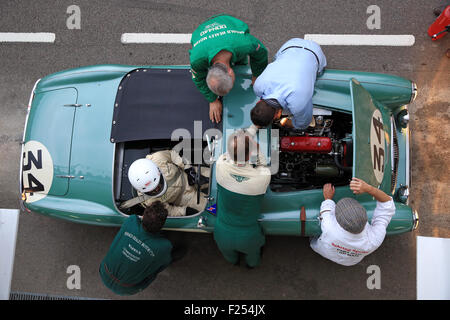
point(160, 176)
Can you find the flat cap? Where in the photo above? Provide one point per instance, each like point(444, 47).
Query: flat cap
point(351, 215)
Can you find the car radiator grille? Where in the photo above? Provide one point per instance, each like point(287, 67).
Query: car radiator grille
point(396, 156)
point(38, 296)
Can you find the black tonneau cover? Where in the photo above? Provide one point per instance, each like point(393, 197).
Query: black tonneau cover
point(152, 103)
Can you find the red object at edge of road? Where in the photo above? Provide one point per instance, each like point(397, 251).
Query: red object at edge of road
point(439, 24)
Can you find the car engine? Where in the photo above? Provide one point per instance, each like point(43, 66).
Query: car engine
point(320, 154)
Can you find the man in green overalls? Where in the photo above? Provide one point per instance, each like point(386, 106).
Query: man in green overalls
point(217, 45)
point(138, 253)
point(241, 188)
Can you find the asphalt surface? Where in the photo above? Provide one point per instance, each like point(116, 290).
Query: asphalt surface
point(290, 269)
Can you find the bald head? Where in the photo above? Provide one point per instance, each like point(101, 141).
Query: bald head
point(240, 146)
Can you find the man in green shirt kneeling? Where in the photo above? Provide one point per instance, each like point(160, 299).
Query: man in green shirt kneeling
point(138, 253)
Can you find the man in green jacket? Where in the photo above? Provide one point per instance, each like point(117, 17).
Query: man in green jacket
point(241, 189)
point(138, 253)
point(218, 44)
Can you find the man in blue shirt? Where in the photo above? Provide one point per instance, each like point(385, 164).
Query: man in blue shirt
point(287, 84)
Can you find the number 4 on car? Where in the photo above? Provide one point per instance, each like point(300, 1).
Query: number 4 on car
point(85, 127)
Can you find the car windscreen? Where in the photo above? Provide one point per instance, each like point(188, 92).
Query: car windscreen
point(152, 103)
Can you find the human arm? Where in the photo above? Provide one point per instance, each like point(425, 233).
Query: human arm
point(215, 110)
point(301, 121)
point(258, 56)
point(258, 86)
point(289, 123)
point(359, 186)
point(383, 212)
point(253, 80)
point(328, 205)
point(286, 122)
point(301, 106)
point(381, 217)
point(175, 211)
point(176, 159)
point(328, 191)
point(168, 161)
point(327, 209)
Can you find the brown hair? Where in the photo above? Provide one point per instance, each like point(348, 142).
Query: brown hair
point(154, 217)
point(262, 114)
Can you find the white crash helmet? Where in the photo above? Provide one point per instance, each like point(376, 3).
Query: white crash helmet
point(145, 177)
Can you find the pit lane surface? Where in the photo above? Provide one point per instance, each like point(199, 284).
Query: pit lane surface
point(290, 269)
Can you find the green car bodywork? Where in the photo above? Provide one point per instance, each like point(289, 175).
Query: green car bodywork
point(70, 115)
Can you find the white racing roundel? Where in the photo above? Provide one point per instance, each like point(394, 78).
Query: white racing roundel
point(377, 145)
point(37, 171)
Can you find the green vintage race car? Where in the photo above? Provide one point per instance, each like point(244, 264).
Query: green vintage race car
point(85, 126)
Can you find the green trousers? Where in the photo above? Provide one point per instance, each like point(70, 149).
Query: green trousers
point(109, 281)
point(232, 240)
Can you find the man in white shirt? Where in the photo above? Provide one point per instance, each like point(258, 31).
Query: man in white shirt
point(346, 236)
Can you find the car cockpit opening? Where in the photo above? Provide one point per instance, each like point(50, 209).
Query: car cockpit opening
point(127, 198)
point(156, 109)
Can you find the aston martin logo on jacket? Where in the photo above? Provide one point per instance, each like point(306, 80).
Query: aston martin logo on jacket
point(239, 178)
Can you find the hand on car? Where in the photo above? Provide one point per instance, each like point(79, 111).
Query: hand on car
point(358, 186)
point(286, 123)
point(328, 191)
point(215, 111)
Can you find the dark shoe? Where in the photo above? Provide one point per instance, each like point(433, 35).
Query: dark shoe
point(248, 267)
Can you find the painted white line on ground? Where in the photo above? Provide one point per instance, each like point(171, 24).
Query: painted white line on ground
point(156, 38)
point(433, 263)
point(9, 223)
point(362, 39)
point(27, 37)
